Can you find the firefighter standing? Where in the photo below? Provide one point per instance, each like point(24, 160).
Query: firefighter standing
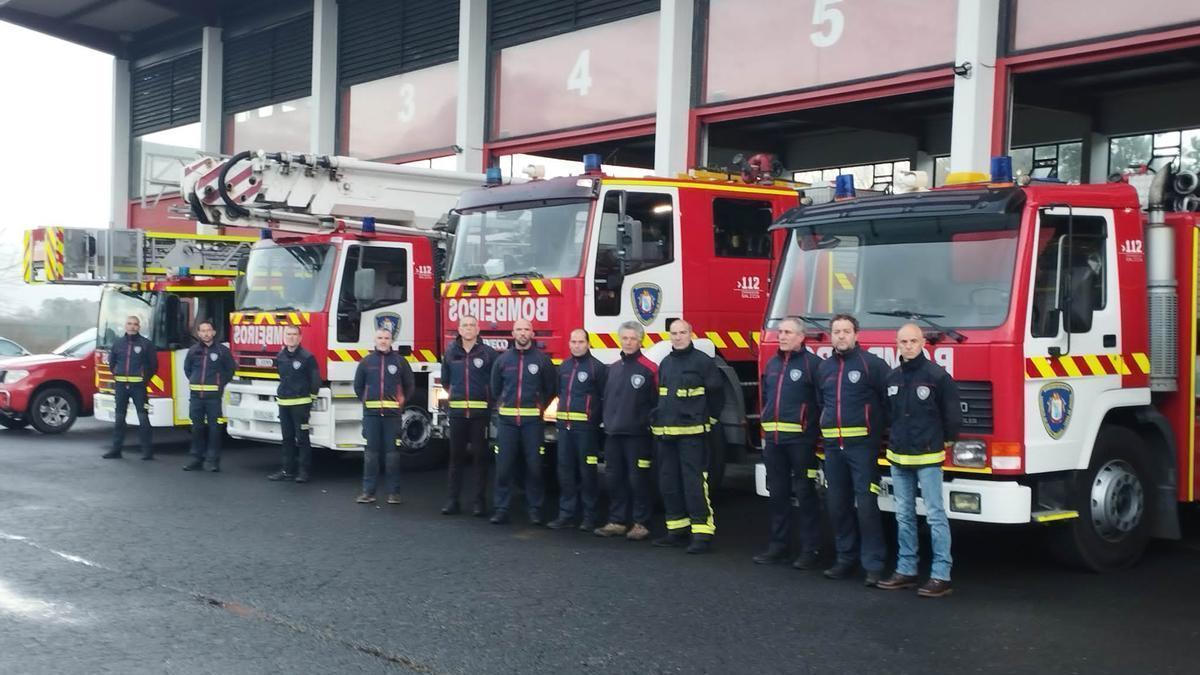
point(132, 361)
point(523, 382)
point(467, 375)
point(788, 418)
point(383, 382)
point(209, 367)
point(851, 385)
point(299, 382)
point(630, 395)
point(923, 406)
point(580, 394)
point(690, 397)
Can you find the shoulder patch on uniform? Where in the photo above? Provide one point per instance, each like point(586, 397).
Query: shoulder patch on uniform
point(392, 368)
point(893, 390)
point(795, 374)
point(923, 392)
point(533, 368)
point(854, 375)
point(477, 361)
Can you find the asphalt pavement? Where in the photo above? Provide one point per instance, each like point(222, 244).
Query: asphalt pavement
point(126, 566)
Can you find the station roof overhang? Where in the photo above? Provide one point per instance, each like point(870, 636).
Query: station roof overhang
point(112, 26)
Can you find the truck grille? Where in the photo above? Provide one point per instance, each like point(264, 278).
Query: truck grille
point(975, 398)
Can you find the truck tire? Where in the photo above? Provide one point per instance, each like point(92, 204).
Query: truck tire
point(1112, 497)
point(53, 410)
point(418, 450)
point(10, 423)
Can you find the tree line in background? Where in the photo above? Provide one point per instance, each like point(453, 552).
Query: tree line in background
point(52, 323)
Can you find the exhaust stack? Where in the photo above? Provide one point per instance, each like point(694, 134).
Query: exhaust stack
point(1163, 294)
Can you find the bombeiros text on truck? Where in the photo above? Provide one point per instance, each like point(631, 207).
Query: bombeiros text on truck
point(1067, 315)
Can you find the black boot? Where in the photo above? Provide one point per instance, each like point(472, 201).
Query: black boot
point(451, 508)
point(478, 509)
point(500, 518)
point(194, 465)
point(841, 570)
point(302, 477)
point(807, 561)
point(676, 539)
point(774, 554)
point(111, 454)
point(281, 475)
point(700, 544)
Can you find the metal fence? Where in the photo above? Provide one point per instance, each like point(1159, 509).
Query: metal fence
point(41, 337)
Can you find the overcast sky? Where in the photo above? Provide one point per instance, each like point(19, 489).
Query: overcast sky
point(56, 132)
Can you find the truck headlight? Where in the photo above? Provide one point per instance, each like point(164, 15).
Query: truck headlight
point(14, 376)
point(440, 394)
point(970, 454)
point(551, 413)
point(235, 398)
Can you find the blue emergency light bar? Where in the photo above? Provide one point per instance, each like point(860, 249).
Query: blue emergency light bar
point(1002, 171)
point(591, 163)
point(264, 233)
point(494, 177)
point(368, 225)
point(843, 187)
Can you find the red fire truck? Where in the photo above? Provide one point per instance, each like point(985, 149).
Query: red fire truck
point(357, 251)
point(593, 251)
point(168, 280)
point(1068, 317)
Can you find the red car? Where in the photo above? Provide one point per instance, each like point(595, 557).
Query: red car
point(49, 391)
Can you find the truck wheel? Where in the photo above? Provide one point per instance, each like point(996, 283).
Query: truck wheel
point(53, 410)
point(1111, 496)
point(10, 423)
point(417, 450)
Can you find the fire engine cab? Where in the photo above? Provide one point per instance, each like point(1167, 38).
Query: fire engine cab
point(168, 280)
point(1067, 315)
point(347, 247)
point(593, 251)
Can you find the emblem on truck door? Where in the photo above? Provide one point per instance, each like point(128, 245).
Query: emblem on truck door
point(647, 298)
point(1055, 404)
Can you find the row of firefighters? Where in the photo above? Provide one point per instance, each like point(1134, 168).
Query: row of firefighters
point(649, 416)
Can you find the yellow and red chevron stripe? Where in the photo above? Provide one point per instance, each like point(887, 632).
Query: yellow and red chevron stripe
point(104, 381)
point(721, 339)
point(54, 253)
point(514, 287)
point(270, 318)
point(347, 355)
point(27, 259)
point(1086, 365)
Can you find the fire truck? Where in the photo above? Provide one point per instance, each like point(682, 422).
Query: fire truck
point(347, 247)
point(593, 251)
point(168, 280)
point(1067, 315)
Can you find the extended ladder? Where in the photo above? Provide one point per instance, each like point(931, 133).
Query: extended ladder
point(99, 255)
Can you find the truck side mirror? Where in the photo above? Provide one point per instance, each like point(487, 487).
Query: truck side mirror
point(364, 285)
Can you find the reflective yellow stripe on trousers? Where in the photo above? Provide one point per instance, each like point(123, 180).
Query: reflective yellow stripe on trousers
point(299, 400)
point(844, 432)
point(916, 460)
point(128, 378)
point(572, 416)
point(786, 427)
point(682, 393)
point(203, 387)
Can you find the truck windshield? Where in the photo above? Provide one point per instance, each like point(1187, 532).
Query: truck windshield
point(286, 276)
point(115, 305)
point(545, 241)
point(957, 268)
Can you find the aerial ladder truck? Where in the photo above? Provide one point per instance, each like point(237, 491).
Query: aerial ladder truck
point(169, 280)
point(347, 247)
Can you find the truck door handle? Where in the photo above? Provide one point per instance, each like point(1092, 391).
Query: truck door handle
point(1110, 340)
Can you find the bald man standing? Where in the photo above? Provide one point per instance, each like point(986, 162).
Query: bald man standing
point(690, 397)
point(923, 406)
point(523, 383)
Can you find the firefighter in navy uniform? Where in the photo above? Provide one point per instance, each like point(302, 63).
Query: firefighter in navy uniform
point(630, 396)
point(299, 382)
point(789, 424)
point(467, 376)
point(208, 366)
point(383, 382)
point(923, 404)
point(132, 361)
point(523, 383)
point(690, 397)
point(851, 386)
point(581, 381)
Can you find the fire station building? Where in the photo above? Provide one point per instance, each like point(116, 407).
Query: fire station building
point(1072, 89)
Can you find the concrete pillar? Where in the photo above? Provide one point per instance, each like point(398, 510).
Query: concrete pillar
point(471, 111)
point(676, 18)
point(121, 146)
point(923, 161)
point(323, 129)
point(974, 93)
point(211, 66)
point(1096, 148)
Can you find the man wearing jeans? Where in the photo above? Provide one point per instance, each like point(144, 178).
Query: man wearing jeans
point(925, 415)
